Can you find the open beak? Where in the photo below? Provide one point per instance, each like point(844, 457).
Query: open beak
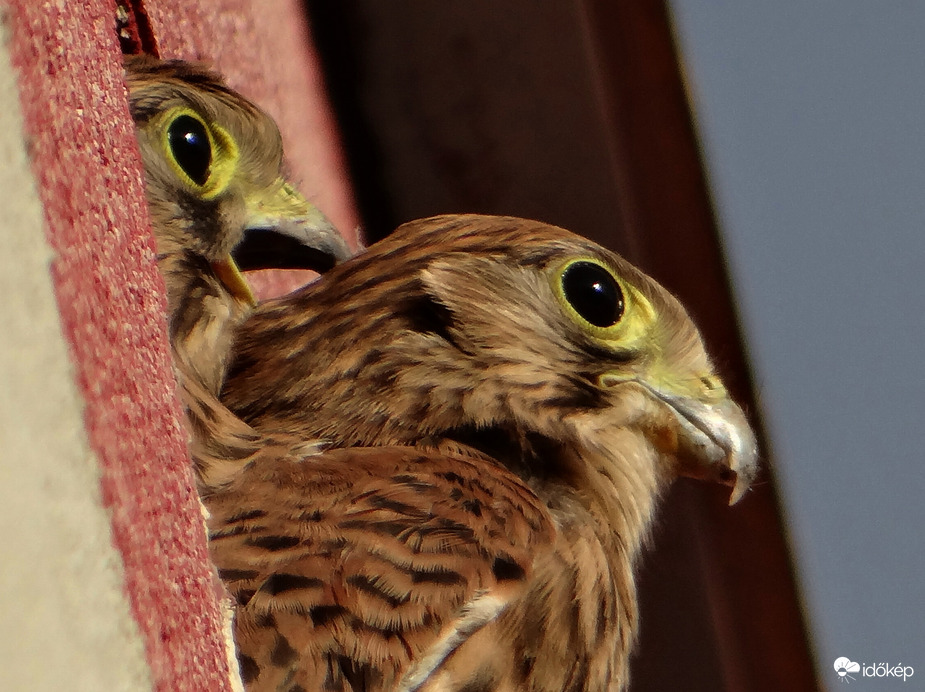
point(291, 244)
point(284, 231)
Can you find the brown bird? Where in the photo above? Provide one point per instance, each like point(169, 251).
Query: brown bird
point(502, 402)
point(214, 185)
point(212, 162)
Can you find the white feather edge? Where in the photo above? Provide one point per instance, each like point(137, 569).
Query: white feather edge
point(477, 613)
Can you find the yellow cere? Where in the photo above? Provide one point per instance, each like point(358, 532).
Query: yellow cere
point(278, 200)
point(294, 200)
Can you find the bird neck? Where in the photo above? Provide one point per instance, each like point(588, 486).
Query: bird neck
point(603, 517)
point(202, 318)
point(622, 479)
point(220, 444)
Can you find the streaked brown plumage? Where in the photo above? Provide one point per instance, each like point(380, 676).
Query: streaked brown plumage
point(502, 403)
point(212, 163)
point(190, 125)
point(197, 227)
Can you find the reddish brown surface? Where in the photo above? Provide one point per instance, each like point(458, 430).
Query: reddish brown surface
point(263, 50)
point(111, 302)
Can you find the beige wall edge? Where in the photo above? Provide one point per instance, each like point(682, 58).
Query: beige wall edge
point(66, 623)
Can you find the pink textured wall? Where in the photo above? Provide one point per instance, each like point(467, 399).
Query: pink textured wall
point(109, 293)
point(263, 48)
point(110, 298)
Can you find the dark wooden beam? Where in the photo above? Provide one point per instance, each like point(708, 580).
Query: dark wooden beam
point(743, 557)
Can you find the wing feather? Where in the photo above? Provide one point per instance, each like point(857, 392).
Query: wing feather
point(350, 564)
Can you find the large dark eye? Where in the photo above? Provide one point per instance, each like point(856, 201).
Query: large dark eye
point(593, 293)
point(190, 146)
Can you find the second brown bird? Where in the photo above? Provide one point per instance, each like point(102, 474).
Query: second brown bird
point(503, 402)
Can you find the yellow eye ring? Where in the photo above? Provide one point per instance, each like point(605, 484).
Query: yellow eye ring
point(203, 155)
point(606, 307)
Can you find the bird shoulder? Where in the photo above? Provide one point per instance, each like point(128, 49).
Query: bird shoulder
point(357, 563)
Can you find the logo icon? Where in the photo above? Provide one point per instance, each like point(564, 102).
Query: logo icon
point(844, 666)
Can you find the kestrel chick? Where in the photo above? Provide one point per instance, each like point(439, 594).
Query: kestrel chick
point(503, 403)
point(212, 163)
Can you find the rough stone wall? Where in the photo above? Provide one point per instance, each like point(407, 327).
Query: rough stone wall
point(106, 580)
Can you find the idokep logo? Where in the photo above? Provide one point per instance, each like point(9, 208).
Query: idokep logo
point(844, 667)
point(848, 670)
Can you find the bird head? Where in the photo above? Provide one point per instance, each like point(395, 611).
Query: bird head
point(511, 337)
point(218, 201)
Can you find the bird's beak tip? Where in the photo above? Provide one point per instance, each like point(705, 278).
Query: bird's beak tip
point(738, 492)
point(715, 441)
point(742, 462)
point(744, 478)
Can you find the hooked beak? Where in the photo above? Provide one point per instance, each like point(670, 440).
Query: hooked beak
point(717, 438)
point(285, 231)
point(712, 438)
point(291, 244)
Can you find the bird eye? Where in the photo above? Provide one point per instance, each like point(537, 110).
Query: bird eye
point(190, 145)
point(593, 292)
